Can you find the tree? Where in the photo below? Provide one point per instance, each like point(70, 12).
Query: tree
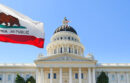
point(19, 79)
point(31, 80)
point(102, 78)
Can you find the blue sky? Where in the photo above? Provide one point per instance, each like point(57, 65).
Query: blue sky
point(102, 25)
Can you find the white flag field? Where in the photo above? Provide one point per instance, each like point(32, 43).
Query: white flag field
point(20, 29)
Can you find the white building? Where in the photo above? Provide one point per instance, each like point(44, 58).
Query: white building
point(65, 63)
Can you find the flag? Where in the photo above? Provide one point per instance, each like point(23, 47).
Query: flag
point(17, 28)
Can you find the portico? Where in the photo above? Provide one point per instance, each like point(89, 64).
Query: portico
point(65, 70)
point(69, 75)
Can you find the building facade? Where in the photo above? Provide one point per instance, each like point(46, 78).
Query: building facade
point(65, 63)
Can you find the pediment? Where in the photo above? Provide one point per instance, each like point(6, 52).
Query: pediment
point(64, 58)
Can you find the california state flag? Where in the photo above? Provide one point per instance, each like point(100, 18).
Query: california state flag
point(17, 28)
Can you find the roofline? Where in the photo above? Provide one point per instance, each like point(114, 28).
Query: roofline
point(98, 65)
point(17, 65)
point(113, 65)
point(45, 57)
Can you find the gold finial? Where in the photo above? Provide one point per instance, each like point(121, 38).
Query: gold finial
point(65, 21)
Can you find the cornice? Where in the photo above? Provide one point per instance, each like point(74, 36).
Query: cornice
point(18, 65)
point(106, 65)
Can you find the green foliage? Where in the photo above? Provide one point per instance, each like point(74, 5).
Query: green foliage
point(19, 79)
point(31, 80)
point(103, 78)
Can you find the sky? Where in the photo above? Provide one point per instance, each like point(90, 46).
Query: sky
point(102, 25)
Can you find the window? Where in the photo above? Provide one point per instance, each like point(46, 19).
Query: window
point(27, 76)
point(82, 75)
point(68, 38)
point(0, 77)
point(48, 75)
point(61, 38)
point(122, 77)
point(76, 75)
point(54, 75)
point(60, 50)
point(75, 51)
point(69, 50)
point(113, 77)
point(9, 77)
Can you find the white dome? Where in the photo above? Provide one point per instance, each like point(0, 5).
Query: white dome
point(65, 42)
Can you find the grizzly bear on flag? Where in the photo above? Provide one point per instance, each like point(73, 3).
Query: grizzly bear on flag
point(8, 19)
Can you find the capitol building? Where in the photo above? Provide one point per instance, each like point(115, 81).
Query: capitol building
point(65, 62)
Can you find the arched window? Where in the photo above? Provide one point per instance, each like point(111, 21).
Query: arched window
point(113, 77)
point(54, 76)
point(68, 38)
point(49, 76)
point(76, 75)
point(61, 50)
point(122, 77)
point(27, 76)
point(75, 51)
point(61, 38)
point(1, 77)
point(9, 77)
point(82, 75)
point(69, 50)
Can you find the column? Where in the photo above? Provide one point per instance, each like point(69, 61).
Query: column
point(73, 50)
point(81, 52)
point(118, 78)
point(80, 81)
point(94, 79)
point(13, 77)
point(51, 75)
point(60, 75)
point(37, 76)
point(89, 75)
point(63, 50)
point(77, 51)
point(70, 75)
point(42, 75)
point(67, 49)
point(127, 77)
point(4, 78)
point(57, 50)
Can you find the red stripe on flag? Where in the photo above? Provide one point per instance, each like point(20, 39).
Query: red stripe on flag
point(22, 39)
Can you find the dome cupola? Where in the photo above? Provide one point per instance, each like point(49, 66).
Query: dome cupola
point(65, 27)
point(65, 41)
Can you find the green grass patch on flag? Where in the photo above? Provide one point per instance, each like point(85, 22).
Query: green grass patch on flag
point(21, 27)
